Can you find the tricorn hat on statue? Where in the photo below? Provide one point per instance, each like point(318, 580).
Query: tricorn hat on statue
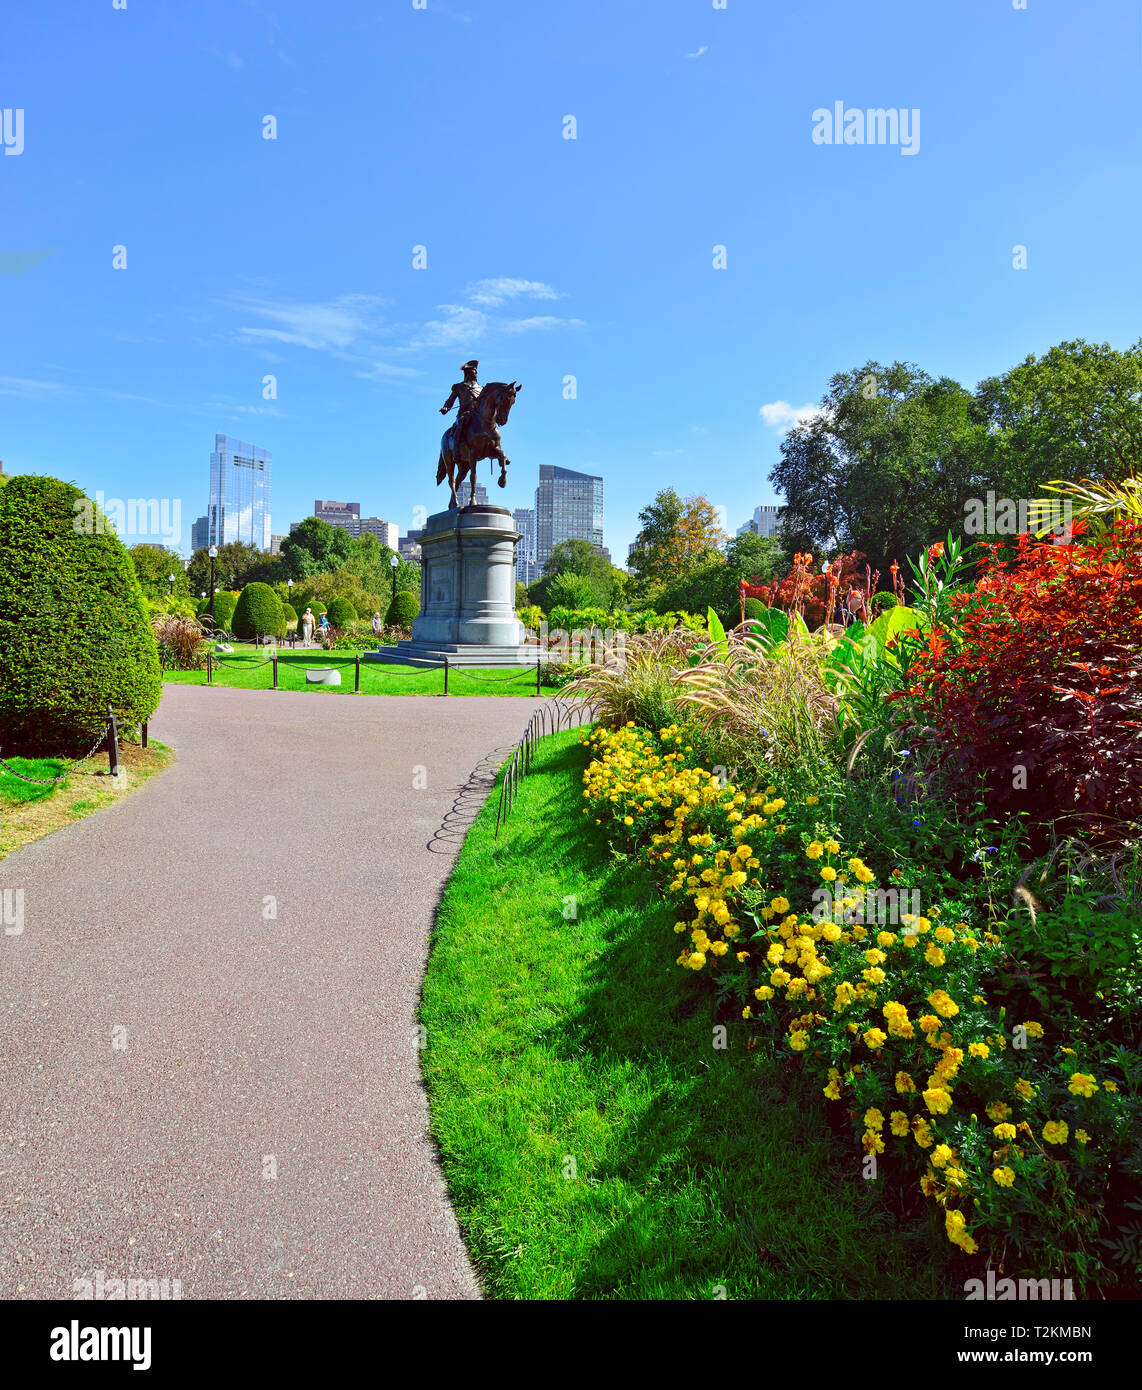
point(473, 364)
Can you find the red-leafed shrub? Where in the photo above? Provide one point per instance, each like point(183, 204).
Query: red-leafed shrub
point(810, 591)
point(1038, 686)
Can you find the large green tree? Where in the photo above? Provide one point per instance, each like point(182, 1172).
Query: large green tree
point(316, 548)
point(154, 568)
point(232, 568)
point(677, 536)
point(577, 558)
point(885, 466)
point(1074, 413)
point(717, 584)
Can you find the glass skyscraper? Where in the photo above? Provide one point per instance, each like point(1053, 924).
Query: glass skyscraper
point(239, 507)
point(568, 506)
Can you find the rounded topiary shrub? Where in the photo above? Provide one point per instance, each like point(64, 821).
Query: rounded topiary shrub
point(754, 607)
point(882, 601)
point(75, 636)
point(288, 613)
point(258, 613)
point(224, 605)
point(403, 608)
point(341, 612)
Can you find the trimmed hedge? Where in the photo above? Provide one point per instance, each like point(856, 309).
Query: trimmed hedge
point(754, 607)
point(224, 605)
point(258, 613)
point(75, 635)
point(341, 612)
point(289, 613)
point(403, 609)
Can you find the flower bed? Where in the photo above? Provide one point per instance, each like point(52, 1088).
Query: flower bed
point(1020, 1134)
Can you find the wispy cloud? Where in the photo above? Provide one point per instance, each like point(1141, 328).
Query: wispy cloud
point(704, 49)
point(19, 262)
point(337, 324)
point(30, 390)
point(491, 293)
point(542, 321)
point(782, 416)
point(461, 324)
point(387, 371)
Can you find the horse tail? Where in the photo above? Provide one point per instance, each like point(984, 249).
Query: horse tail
point(441, 469)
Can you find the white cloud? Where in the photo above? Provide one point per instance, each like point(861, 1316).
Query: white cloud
point(30, 390)
point(461, 325)
point(491, 293)
point(386, 371)
point(539, 321)
point(704, 49)
point(782, 416)
point(336, 324)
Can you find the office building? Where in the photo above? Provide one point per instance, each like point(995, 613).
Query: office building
point(240, 478)
point(200, 533)
point(568, 506)
point(337, 513)
point(763, 522)
point(347, 516)
point(525, 571)
point(408, 547)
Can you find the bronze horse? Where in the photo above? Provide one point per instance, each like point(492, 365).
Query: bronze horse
point(480, 439)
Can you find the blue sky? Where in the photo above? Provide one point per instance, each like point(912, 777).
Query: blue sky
point(443, 127)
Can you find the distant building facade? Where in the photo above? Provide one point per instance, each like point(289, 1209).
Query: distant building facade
point(525, 567)
point(200, 534)
point(568, 506)
point(241, 476)
point(347, 516)
point(762, 523)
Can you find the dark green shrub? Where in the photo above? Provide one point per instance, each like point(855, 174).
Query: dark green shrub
point(883, 600)
point(403, 609)
point(288, 613)
point(341, 612)
point(224, 605)
point(75, 635)
point(754, 607)
point(258, 613)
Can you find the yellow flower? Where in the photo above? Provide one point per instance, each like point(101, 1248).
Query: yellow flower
point(938, 1101)
point(1005, 1176)
point(628, 820)
point(874, 1038)
point(904, 1083)
point(747, 1012)
point(997, 1110)
point(1082, 1085)
point(873, 1119)
point(1055, 1131)
point(815, 850)
point(812, 800)
point(864, 875)
point(933, 955)
point(799, 1040)
point(957, 1233)
point(1082, 1136)
point(978, 1049)
point(1024, 1089)
point(828, 874)
point(833, 1091)
point(941, 1155)
point(780, 904)
point(1033, 1030)
point(1110, 1085)
point(922, 1133)
point(1004, 1131)
point(898, 1123)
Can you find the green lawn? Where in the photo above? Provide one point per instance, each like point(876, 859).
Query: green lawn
point(596, 1145)
point(14, 792)
point(249, 669)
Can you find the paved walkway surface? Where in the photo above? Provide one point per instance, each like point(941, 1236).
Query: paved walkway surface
point(208, 1058)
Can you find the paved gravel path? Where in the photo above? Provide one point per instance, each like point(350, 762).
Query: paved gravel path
point(255, 1044)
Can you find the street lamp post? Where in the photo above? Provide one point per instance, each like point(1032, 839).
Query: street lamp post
point(171, 578)
point(396, 565)
point(213, 557)
point(289, 584)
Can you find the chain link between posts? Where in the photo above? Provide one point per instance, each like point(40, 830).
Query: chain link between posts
point(51, 781)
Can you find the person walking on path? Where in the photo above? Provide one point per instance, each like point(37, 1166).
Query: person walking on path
point(378, 628)
point(306, 627)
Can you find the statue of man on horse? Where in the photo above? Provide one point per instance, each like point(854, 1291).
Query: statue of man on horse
point(475, 434)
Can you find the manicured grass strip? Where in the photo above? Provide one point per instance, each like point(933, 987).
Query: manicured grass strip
point(14, 792)
point(249, 670)
point(595, 1142)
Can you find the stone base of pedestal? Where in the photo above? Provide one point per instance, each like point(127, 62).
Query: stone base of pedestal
point(458, 654)
point(467, 585)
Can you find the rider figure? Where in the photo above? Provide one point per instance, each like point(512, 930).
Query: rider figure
point(464, 395)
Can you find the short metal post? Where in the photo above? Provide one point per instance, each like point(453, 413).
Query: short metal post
point(446, 675)
point(357, 677)
point(538, 668)
point(144, 733)
point(275, 670)
point(113, 742)
point(209, 668)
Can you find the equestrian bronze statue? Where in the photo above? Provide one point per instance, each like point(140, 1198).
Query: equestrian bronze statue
point(475, 434)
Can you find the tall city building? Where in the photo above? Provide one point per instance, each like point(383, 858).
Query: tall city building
point(200, 533)
point(337, 513)
point(239, 508)
point(762, 523)
point(525, 570)
point(568, 506)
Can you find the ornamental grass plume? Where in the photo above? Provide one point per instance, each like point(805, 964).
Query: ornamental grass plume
point(639, 683)
point(767, 710)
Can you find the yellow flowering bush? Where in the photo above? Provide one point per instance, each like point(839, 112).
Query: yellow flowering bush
point(890, 1008)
